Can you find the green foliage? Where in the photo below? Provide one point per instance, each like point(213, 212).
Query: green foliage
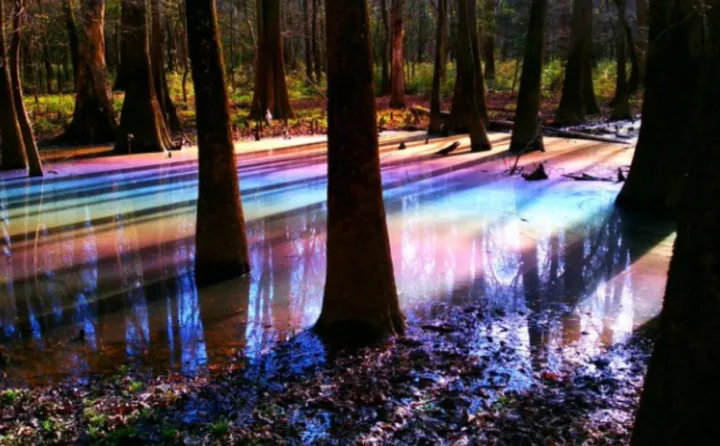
point(220, 428)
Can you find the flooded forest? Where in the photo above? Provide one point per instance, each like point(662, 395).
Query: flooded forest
point(437, 222)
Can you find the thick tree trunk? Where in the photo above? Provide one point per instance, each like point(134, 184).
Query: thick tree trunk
point(397, 75)
point(660, 163)
point(142, 126)
point(157, 62)
point(465, 113)
point(271, 92)
point(436, 122)
point(360, 301)
point(621, 103)
point(309, 72)
point(125, 37)
point(13, 146)
point(31, 149)
point(221, 250)
point(73, 39)
point(525, 135)
point(578, 97)
point(93, 120)
point(679, 401)
point(386, 48)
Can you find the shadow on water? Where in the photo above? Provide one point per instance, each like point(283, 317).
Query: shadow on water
point(100, 282)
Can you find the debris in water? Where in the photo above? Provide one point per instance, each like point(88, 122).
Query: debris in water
point(538, 174)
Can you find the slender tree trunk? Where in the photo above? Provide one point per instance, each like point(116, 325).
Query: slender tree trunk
point(72, 35)
point(477, 58)
point(93, 120)
point(316, 46)
point(271, 92)
point(465, 112)
point(679, 400)
point(489, 39)
point(386, 48)
point(221, 250)
point(308, 42)
point(525, 135)
point(360, 301)
point(157, 62)
point(31, 149)
point(641, 43)
point(436, 121)
point(397, 77)
point(142, 126)
point(660, 163)
point(13, 146)
point(621, 103)
point(578, 98)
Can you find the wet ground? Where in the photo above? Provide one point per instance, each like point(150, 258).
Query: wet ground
point(97, 268)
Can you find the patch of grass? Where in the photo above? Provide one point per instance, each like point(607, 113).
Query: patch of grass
point(10, 396)
point(168, 432)
point(49, 425)
point(135, 386)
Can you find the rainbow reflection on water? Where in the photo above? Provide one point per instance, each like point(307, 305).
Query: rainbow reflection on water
point(106, 248)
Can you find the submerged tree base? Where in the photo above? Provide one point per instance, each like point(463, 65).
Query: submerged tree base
point(210, 274)
point(356, 333)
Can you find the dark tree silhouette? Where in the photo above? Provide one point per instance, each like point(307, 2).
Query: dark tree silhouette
point(221, 245)
point(157, 61)
point(621, 102)
point(142, 125)
point(436, 121)
point(397, 76)
point(660, 163)
point(679, 401)
point(270, 87)
point(525, 135)
point(93, 119)
point(360, 300)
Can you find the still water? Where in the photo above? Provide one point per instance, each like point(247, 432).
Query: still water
point(97, 261)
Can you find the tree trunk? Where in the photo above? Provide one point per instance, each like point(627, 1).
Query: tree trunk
point(385, 45)
point(31, 149)
point(679, 400)
point(489, 39)
point(221, 250)
point(271, 92)
point(578, 97)
point(465, 112)
point(13, 147)
point(641, 42)
point(142, 126)
point(125, 37)
point(621, 103)
point(360, 301)
point(660, 163)
point(436, 121)
point(316, 46)
point(72, 36)
point(397, 76)
point(308, 42)
point(157, 62)
point(93, 120)
point(525, 135)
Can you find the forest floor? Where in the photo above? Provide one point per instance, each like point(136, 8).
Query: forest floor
point(430, 386)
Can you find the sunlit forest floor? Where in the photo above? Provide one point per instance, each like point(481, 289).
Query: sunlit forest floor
point(50, 113)
point(526, 302)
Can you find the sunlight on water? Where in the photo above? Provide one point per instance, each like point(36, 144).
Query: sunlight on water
point(98, 265)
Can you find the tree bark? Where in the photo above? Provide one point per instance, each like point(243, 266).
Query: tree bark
point(525, 135)
point(73, 39)
point(621, 102)
point(660, 163)
point(93, 120)
point(679, 400)
point(271, 92)
point(436, 121)
point(142, 126)
point(157, 62)
point(31, 149)
point(308, 42)
point(360, 301)
point(465, 113)
point(316, 46)
point(578, 97)
point(125, 37)
point(221, 250)
point(397, 76)
point(641, 42)
point(13, 146)
point(489, 39)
